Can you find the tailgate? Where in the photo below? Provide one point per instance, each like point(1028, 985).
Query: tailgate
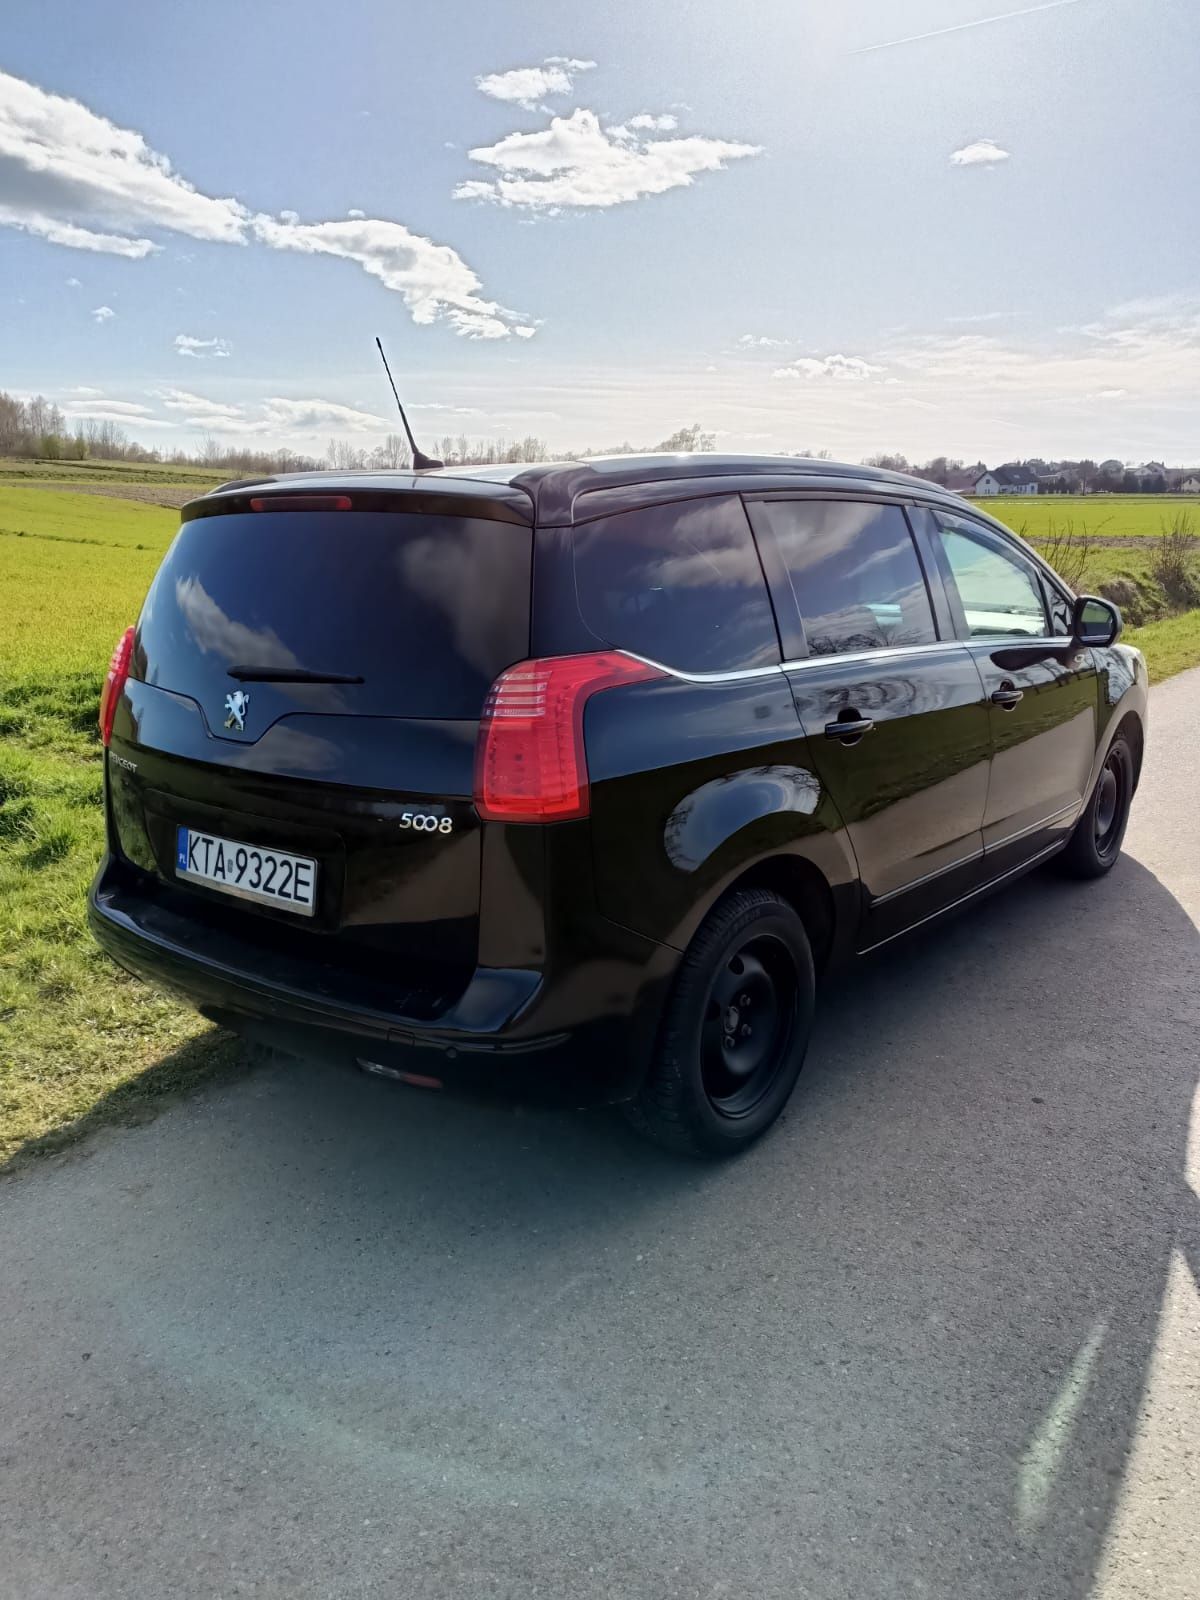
point(310, 683)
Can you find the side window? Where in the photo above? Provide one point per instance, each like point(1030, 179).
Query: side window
point(681, 584)
point(1001, 595)
point(854, 571)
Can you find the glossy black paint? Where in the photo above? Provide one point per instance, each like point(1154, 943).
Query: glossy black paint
point(535, 959)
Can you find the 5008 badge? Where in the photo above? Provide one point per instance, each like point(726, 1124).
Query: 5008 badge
point(422, 822)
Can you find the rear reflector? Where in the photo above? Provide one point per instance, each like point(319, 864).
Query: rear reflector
point(114, 684)
point(530, 763)
point(300, 502)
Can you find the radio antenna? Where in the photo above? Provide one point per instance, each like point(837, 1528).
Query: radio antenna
point(420, 461)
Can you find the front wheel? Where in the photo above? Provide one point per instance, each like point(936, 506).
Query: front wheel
point(735, 1030)
point(1096, 840)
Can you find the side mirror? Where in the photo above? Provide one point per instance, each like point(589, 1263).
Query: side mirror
point(1095, 621)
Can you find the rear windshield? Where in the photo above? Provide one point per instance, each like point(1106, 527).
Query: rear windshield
point(426, 610)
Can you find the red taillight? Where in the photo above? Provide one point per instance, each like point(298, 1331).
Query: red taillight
point(530, 764)
point(114, 684)
point(300, 502)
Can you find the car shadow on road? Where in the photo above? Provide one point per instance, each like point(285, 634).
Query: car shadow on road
point(901, 1348)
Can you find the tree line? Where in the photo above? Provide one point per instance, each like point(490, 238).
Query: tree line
point(39, 428)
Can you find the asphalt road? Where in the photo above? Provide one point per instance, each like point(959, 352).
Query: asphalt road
point(315, 1335)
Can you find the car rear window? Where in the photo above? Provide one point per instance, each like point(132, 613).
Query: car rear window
point(680, 584)
point(426, 610)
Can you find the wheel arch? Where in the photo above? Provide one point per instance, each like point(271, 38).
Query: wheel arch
point(799, 881)
point(1132, 726)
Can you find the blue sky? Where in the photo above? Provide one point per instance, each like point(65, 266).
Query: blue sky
point(982, 242)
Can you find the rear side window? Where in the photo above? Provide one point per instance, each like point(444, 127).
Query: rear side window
point(425, 610)
point(680, 584)
point(854, 573)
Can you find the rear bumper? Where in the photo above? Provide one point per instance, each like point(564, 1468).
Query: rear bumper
point(580, 1037)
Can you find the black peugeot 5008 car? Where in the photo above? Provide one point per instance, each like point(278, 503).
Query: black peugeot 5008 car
point(570, 779)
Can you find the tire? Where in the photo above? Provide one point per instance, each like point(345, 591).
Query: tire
point(749, 966)
point(1096, 839)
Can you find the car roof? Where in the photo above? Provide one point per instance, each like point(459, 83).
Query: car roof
point(557, 493)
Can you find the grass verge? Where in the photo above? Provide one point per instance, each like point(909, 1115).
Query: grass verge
point(1170, 646)
point(81, 1043)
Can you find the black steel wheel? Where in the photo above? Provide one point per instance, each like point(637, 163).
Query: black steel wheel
point(735, 1029)
point(1096, 841)
point(749, 1020)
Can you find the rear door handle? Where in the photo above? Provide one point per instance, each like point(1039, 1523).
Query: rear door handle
point(851, 728)
point(1007, 696)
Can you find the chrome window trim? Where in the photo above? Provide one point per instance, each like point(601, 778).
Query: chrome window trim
point(1060, 643)
point(705, 677)
point(884, 653)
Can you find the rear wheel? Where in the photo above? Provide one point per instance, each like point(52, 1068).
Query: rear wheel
point(735, 1030)
point(1096, 841)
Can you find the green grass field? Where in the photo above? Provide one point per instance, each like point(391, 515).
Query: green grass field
point(81, 1043)
point(106, 472)
point(1107, 516)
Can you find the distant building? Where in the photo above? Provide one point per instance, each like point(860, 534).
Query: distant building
point(1058, 483)
point(1006, 480)
point(963, 479)
point(1190, 484)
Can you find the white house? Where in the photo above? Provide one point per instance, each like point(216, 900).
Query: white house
point(1006, 480)
point(1190, 485)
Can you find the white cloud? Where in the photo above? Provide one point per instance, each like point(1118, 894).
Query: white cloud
point(308, 415)
point(85, 393)
point(434, 281)
point(845, 369)
point(528, 86)
point(74, 178)
point(74, 237)
point(763, 341)
point(77, 179)
point(97, 403)
point(104, 313)
point(74, 283)
point(277, 417)
point(97, 408)
point(982, 153)
point(199, 410)
point(353, 212)
point(1129, 325)
point(578, 162)
point(201, 349)
point(659, 124)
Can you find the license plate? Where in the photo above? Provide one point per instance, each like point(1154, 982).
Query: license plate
point(273, 877)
